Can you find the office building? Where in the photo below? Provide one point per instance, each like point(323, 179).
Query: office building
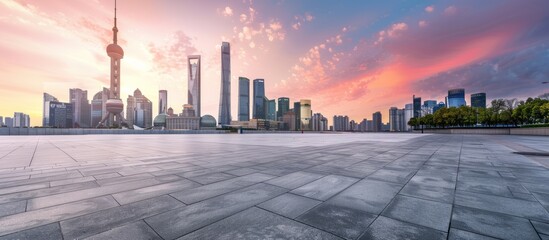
point(478, 100)
point(319, 122)
point(297, 112)
point(243, 99)
point(162, 101)
point(139, 110)
point(186, 120)
point(401, 120)
point(225, 98)
point(194, 83)
point(376, 118)
point(8, 122)
point(341, 123)
point(259, 108)
point(288, 121)
point(99, 107)
point(114, 104)
point(393, 121)
point(81, 108)
point(283, 107)
point(306, 114)
point(271, 110)
point(21, 120)
point(439, 106)
point(408, 114)
point(417, 106)
point(47, 98)
point(456, 97)
point(428, 106)
point(60, 115)
point(1, 121)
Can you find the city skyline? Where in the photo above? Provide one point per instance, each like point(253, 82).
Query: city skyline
point(346, 68)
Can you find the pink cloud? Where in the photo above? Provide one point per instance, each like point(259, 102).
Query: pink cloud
point(430, 9)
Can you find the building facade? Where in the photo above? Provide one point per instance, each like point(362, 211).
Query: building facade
point(21, 120)
point(225, 98)
point(393, 121)
point(8, 122)
point(288, 121)
point(259, 108)
point(81, 108)
point(456, 97)
point(297, 112)
point(271, 110)
point(341, 123)
point(60, 115)
point(416, 106)
point(47, 98)
point(319, 122)
point(408, 114)
point(193, 93)
point(243, 99)
point(376, 118)
point(139, 110)
point(99, 106)
point(478, 100)
point(283, 107)
point(162, 101)
point(306, 114)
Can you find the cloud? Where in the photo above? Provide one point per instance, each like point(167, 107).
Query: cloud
point(227, 12)
point(422, 23)
point(392, 32)
point(451, 10)
point(172, 56)
point(300, 20)
point(430, 9)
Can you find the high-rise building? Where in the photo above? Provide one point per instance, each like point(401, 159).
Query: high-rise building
point(306, 114)
point(259, 108)
point(194, 83)
point(99, 106)
point(417, 106)
point(283, 107)
point(289, 120)
point(47, 98)
point(428, 106)
point(1, 121)
point(81, 108)
point(319, 122)
point(408, 114)
point(225, 99)
point(21, 120)
point(376, 118)
point(162, 101)
point(478, 100)
point(60, 115)
point(8, 122)
point(297, 112)
point(341, 123)
point(401, 120)
point(363, 125)
point(393, 121)
point(271, 110)
point(114, 104)
point(243, 99)
point(139, 110)
point(456, 97)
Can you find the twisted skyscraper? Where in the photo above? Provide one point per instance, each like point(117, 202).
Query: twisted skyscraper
point(225, 99)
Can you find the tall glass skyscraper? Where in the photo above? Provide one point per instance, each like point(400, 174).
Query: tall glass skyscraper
point(46, 109)
point(81, 107)
point(193, 94)
point(306, 114)
point(376, 118)
point(456, 97)
point(417, 106)
point(259, 99)
point(271, 109)
point(283, 107)
point(243, 99)
point(478, 100)
point(225, 98)
point(162, 101)
point(297, 111)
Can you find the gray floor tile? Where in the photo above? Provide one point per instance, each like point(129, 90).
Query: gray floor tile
point(392, 175)
point(12, 208)
point(542, 228)
point(294, 180)
point(211, 177)
point(367, 195)
point(289, 205)
point(133, 231)
point(46, 232)
point(384, 228)
point(421, 212)
point(153, 191)
point(438, 194)
point(457, 234)
point(325, 187)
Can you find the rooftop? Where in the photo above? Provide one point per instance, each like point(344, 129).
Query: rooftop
point(261, 186)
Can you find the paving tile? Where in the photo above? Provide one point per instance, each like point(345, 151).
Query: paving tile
point(45, 232)
point(367, 195)
point(457, 234)
point(31, 219)
point(492, 224)
point(133, 231)
point(46, 191)
point(438, 194)
point(12, 208)
point(289, 205)
point(255, 223)
point(392, 175)
point(106, 175)
point(421, 212)
point(211, 178)
point(433, 181)
point(384, 228)
point(181, 221)
point(484, 188)
point(87, 225)
point(516, 207)
point(325, 187)
point(153, 191)
point(71, 181)
point(294, 180)
point(542, 228)
point(23, 188)
point(342, 221)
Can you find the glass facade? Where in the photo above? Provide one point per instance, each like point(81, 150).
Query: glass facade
point(283, 107)
point(259, 99)
point(271, 110)
point(306, 114)
point(478, 100)
point(60, 115)
point(456, 97)
point(297, 111)
point(243, 99)
point(162, 101)
point(193, 93)
point(417, 106)
point(225, 98)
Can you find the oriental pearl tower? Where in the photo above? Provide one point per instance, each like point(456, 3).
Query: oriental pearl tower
point(114, 104)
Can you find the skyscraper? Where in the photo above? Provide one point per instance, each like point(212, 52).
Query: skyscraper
point(99, 106)
point(162, 101)
point(271, 109)
point(1, 121)
point(21, 120)
point(401, 120)
point(478, 100)
point(341, 123)
point(60, 115)
point(243, 99)
point(297, 111)
point(81, 114)
point(139, 110)
point(114, 105)
point(417, 106)
point(259, 99)
point(456, 97)
point(408, 114)
point(306, 114)
point(376, 118)
point(225, 99)
point(393, 119)
point(194, 83)
point(8, 122)
point(283, 107)
point(46, 108)
point(319, 122)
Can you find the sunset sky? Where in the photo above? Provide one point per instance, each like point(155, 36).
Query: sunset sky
point(349, 57)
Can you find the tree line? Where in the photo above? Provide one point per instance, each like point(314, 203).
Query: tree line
point(503, 112)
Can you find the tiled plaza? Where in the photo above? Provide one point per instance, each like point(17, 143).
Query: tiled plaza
point(274, 186)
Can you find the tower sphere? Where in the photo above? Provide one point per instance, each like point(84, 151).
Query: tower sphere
point(113, 50)
point(115, 106)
